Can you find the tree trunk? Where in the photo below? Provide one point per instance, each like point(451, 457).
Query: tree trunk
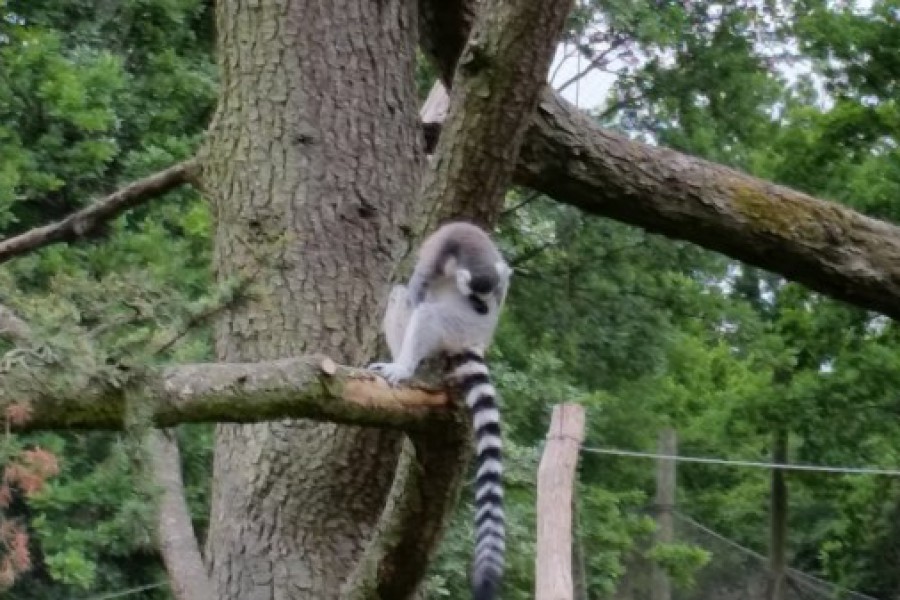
point(312, 165)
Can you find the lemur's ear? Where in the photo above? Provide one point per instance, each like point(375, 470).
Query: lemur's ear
point(503, 269)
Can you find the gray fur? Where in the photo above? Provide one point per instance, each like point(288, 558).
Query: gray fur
point(451, 307)
point(437, 315)
point(457, 248)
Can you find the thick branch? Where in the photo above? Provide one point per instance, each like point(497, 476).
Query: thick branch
point(495, 90)
point(306, 387)
point(425, 490)
point(89, 218)
point(826, 246)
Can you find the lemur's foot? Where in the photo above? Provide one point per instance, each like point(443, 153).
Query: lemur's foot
point(394, 373)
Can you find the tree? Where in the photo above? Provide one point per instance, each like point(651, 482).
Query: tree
point(313, 164)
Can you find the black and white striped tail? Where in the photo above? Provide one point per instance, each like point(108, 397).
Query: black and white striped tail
point(470, 374)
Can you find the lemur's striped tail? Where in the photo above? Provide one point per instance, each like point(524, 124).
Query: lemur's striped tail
point(470, 374)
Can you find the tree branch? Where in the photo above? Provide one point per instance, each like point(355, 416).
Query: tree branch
point(89, 218)
point(310, 387)
point(495, 89)
point(177, 542)
point(828, 247)
point(175, 531)
point(425, 490)
point(825, 246)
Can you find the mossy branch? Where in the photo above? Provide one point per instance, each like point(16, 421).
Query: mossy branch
point(310, 387)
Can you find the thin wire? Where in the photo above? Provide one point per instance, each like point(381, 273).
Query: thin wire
point(746, 463)
point(129, 592)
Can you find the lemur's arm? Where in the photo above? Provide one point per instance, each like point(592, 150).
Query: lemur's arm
point(419, 333)
point(396, 318)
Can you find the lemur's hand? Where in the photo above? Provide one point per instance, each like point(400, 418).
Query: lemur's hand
point(394, 373)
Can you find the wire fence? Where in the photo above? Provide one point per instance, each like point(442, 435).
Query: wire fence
point(734, 572)
point(737, 572)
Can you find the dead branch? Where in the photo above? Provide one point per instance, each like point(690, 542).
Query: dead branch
point(86, 220)
point(828, 247)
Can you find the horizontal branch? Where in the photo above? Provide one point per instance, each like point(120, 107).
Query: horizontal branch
point(88, 219)
point(307, 387)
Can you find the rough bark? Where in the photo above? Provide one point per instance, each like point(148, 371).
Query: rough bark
point(313, 164)
point(425, 491)
point(566, 155)
point(308, 387)
point(188, 579)
point(88, 219)
point(497, 83)
point(826, 246)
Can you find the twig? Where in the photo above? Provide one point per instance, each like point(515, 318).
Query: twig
point(528, 200)
point(231, 297)
point(567, 54)
point(89, 218)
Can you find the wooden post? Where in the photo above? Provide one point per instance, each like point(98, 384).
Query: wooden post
point(667, 445)
point(556, 482)
point(579, 568)
point(778, 520)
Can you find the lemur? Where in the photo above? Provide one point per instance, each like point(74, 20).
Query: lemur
point(451, 307)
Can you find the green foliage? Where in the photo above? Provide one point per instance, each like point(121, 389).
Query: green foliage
point(782, 356)
point(92, 95)
point(680, 561)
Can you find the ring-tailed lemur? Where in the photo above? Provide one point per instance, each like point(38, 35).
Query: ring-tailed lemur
point(451, 307)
